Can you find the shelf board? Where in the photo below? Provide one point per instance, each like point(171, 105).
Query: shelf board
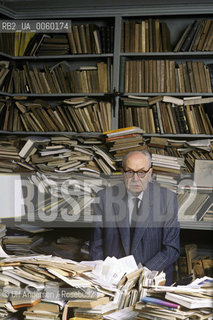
point(54, 95)
point(61, 95)
point(200, 225)
point(97, 134)
point(177, 135)
point(177, 94)
point(60, 222)
point(204, 54)
point(54, 133)
point(61, 57)
point(168, 54)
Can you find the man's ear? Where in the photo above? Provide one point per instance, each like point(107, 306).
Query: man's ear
point(122, 170)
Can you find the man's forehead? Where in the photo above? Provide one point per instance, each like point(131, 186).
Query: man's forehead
point(136, 158)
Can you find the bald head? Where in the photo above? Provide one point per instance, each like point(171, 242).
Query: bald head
point(137, 154)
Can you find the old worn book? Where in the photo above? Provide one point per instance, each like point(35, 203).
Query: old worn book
point(202, 76)
point(44, 306)
point(208, 39)
point(190, 119)
point(88, 303)
point(196, 39)
point(182, 38)
point(71, 42)
point(191, 253)
point(207, 25)
point(190, 36)
point(30, 144)
point(75, 29)
point(97, 38)
point(189, 301)
point(122, 131)
point(40, 315)
point(196, 76)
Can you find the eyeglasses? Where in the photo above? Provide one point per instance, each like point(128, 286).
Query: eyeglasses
point(140, 174)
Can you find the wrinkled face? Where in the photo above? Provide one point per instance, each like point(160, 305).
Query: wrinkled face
point(136, 162)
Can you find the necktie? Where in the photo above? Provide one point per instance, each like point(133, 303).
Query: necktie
point(134, 217)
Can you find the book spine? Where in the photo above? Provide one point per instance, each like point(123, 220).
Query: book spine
point(182, 119)
point(189, 39)
point(155, 116)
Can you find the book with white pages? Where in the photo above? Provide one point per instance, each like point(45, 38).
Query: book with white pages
point(189, 301)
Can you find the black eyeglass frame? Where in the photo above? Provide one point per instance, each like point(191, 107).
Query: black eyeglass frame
point(143, 172)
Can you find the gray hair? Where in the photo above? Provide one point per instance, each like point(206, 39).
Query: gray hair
point(143, 152)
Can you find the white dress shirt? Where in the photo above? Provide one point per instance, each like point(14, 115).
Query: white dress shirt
point(131, 202)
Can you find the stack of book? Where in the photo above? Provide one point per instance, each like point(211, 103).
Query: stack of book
point(19, 243)
point(197, 36)
point(195, 150)
point(189, 150)
point(53, 45)
point(76, 114)
point(82, 39)
point(148, 35)
point(90, 38)
point(51, 310)
point(88, 291)
point(124, 289)
point(9, 152)
point(152, 35)
point(167, 168)
point(164, 146)
point(45, 274)
point(165, 114)
point(15, 43)
point(123, 140)
point(58, 79)
point(193, 301)
point(56, 156)
point(96, 290)
point(187, 76)
point(90, 308)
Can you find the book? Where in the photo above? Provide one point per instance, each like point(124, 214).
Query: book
point(182, 38)
point(186, 45)
point(189, 301)
point(121, 131)
point(30, 144)
point(191, 253)
point(88, 303)
point(204, 34)
point(159, 302)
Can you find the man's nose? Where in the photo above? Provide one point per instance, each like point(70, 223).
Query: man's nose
point(135, 176)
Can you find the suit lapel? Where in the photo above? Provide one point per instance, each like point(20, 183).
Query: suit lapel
point(123, 224)
point(144, 218)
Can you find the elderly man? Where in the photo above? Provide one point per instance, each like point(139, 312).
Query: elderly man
point(137, 217)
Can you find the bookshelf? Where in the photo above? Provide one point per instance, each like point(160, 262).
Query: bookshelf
point(177, 17)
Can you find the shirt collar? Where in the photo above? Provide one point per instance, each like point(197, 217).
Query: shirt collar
point(131, 196)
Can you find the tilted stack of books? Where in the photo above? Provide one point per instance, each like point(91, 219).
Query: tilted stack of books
point(123, 140)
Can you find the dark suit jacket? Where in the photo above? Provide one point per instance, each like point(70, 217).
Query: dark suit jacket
point(156, 238)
